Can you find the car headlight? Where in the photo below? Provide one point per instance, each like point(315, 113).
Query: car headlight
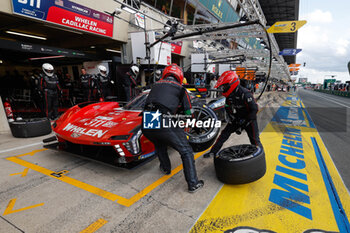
point(119, 150)
point(133, 145)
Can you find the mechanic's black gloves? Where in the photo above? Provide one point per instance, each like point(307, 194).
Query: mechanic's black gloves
point(242, 124)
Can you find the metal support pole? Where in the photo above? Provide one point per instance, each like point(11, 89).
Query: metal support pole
point(213, 30)
point(205, 64)
point(195, 15)
point(148, 51)
point(171, 7)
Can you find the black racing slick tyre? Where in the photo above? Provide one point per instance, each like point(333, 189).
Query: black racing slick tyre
point(240, 164)
point(30, 127)
point(202, 138)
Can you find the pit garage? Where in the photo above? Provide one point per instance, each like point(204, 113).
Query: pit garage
point(26, 44)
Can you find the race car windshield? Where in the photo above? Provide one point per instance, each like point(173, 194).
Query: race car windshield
point(137, 103)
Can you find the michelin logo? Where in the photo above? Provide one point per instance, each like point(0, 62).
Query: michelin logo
point(151, 120)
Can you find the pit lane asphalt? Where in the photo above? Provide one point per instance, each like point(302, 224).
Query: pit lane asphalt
point(330, 114)
point(31, 201)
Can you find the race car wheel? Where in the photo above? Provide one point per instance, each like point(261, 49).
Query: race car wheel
point(240, 164)
point(33, 127)
point(202, 138)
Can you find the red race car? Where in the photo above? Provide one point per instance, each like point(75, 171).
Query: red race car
point(106, 132)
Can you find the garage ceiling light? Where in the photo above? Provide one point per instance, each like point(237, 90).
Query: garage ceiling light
point(128, 9)
point(113, 51)
point(131, 6)
point(43, 58)
point(26, 35)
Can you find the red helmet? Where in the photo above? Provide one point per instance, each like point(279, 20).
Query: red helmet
point(175, 71)
point(228, 81)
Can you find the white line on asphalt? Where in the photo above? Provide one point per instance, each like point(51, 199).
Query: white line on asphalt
point(332, 159)
point(21, 147)
point(329, 99)
point(341, 99)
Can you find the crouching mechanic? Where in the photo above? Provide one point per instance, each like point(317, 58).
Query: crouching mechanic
point(167, 96)
point(241, 109)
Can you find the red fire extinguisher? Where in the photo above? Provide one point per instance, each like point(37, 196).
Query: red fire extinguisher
point(8, 110)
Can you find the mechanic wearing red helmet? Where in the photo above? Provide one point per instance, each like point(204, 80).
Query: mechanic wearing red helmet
point(168, 96)
point(241, 109)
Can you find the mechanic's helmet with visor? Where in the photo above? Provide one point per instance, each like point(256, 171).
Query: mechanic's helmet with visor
point(174, 71)
point(228, 82)
point(48, 69)
point(158, 73)
point(135, 70)
point(102, 70)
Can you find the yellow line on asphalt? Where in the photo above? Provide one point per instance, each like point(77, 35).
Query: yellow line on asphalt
point(95, 226)
point(23, 174)
point(31, 153)
point(94, 190)
point(11, 204)
point(71, 181)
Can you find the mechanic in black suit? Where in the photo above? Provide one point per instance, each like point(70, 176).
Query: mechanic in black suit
point(86, 81)
point(103, 82)
point(51, 88)
point(167, 96)
point(129, 81)
point(241, 109)
point(36, 92)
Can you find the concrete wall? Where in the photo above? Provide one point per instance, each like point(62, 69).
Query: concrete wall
point(120, 31)
point(154, 25)
point(6, 6)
